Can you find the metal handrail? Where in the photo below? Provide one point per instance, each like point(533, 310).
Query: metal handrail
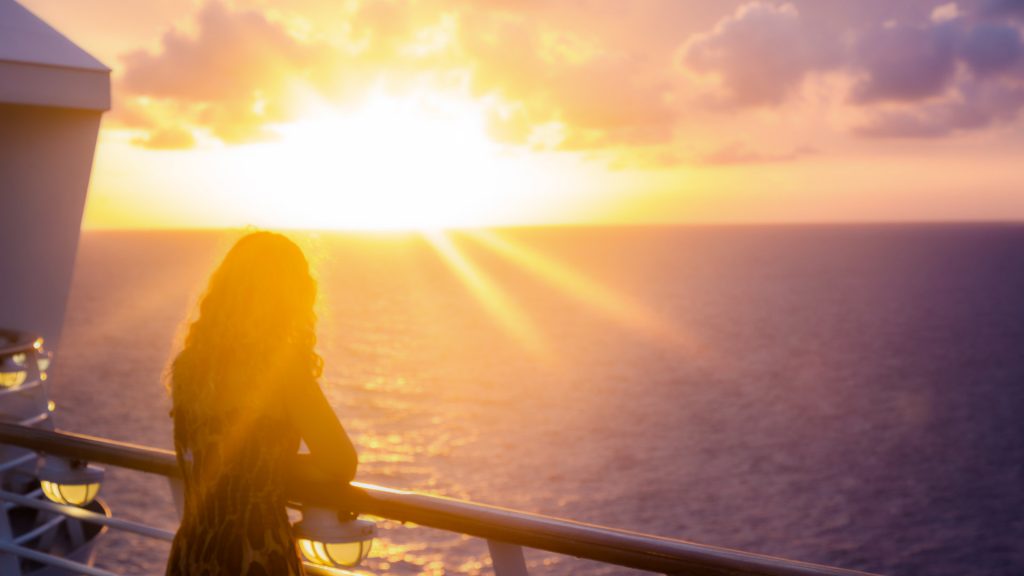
point(624, 548)
point(16, 342)
point(85, 515)
point(57, 561)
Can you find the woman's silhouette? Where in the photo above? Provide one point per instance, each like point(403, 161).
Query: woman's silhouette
point(245, 392)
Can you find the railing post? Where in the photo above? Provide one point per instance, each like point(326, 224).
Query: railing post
point(177, 495)
point(507, 559)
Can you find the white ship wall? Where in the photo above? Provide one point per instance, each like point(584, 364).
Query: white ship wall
point(45, 159)
point(52, 95)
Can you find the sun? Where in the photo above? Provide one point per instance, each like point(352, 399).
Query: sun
point(417, 161)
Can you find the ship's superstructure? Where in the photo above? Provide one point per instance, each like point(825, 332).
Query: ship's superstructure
point(52, 95)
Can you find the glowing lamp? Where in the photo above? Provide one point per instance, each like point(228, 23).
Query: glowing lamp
point(327, 541)
point(13, 378)
point(12, 370)
point(70, 481)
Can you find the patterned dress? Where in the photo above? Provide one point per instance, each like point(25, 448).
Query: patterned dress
point(234, 521)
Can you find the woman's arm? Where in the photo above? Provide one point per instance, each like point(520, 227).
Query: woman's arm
point(332, 455)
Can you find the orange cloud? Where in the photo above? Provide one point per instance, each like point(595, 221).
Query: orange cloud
point(760, 54)
point(569, 79)
point(605, 95)
point(231, 77)
point(234, 75)
point(166, 139)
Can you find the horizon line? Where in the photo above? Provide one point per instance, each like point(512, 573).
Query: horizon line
point(457, 228)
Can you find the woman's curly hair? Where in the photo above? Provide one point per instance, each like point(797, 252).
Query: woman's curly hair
point(255, 332)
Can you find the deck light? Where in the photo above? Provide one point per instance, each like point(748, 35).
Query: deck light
point(328, 541)
point(70, 481)
point(12, 370)
point(12, 378)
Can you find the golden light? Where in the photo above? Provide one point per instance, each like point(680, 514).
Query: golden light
point(73, 494)
point(589, 292)
point(12, 378)
point(419, 161)
point(509, 316)
point(70, 481)
point(325, 540)
point(14, 368)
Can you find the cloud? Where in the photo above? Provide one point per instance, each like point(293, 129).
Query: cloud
point(946, 12)
point(906, 62)
point(602, 95)
point(553, 75)
point(992, 49)
point(611, 100)
point(943, 78)
point(977, 108)
point(166, 139)
point(957, 69)
point(759, 54)
point(232, 76)
point(151, 131)
point(737, 153)
point(1003, 9)
point(237, 72)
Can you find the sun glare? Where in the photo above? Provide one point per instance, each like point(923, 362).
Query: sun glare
point(416, 162)
point(598, 297)
point(490, 294)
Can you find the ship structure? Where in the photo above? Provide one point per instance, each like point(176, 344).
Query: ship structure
point(52, 97)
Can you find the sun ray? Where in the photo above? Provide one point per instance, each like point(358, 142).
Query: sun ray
point(508, 315)
point(596, 296)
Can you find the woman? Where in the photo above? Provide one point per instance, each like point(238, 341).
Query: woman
point(245, 392)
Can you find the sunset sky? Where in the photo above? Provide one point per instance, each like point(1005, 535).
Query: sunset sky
point(398, 114)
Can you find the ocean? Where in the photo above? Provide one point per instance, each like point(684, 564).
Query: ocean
point(847, 395)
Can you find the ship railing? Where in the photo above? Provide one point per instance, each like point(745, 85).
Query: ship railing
point(507, 532)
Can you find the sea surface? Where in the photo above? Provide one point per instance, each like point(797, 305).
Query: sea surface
point(848, 395)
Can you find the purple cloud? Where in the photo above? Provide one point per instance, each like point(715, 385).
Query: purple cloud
point(992, 48)
point(906, 62)
point(976, 108)
point(1004, 9)
point(961, 69)
point(760, 53)
point(923, 67)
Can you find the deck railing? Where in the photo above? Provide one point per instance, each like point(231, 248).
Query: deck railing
point(506, 531)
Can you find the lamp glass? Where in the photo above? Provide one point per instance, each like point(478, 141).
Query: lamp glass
point(327, 541)
point(74, 494)
point(69, 482)
point(12, 379)
point(335, 554)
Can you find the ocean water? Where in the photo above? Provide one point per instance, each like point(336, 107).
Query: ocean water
point(848, 395)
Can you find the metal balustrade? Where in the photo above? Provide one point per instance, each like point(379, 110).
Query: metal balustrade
point(506, 531)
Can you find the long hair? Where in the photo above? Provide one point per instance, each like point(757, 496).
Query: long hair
point(255, 330)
